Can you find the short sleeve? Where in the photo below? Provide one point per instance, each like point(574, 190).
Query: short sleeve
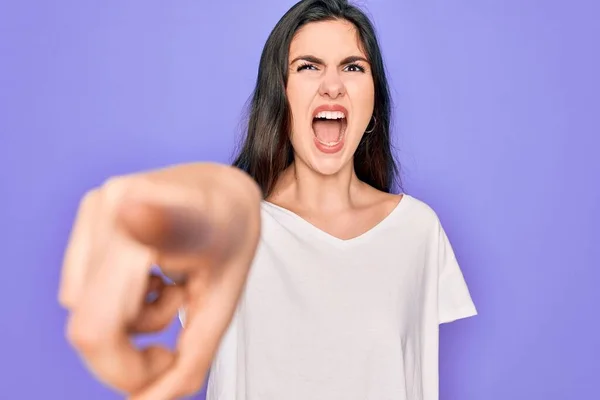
point(454, 298)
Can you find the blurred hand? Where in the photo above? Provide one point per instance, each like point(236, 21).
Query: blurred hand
point(200, 223)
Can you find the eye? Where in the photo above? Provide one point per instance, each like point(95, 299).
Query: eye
point(354, 68)
point(307, 66)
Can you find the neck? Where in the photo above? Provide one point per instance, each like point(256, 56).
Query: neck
point(313, 191)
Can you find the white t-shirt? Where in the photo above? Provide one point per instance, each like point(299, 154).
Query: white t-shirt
point(326, 319)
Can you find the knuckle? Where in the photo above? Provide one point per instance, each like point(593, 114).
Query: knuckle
point(88, 202)
point(89, 199)
point(115, 188)
point(90, 343)
point(65, 299)
point(83, 337)
point(124, 383)
point(119, 378)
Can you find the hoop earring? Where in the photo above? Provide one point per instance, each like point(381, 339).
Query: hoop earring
point(374, 124)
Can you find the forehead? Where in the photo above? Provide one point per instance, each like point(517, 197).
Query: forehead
point(327, 40)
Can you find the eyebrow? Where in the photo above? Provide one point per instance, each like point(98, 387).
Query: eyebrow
point(316, 60)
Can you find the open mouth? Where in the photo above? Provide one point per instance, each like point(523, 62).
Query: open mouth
point(329, 127)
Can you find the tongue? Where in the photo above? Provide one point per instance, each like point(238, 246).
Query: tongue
point(327, 131)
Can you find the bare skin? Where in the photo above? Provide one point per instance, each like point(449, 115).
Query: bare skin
point(198, 221)
point(365, 206)
point(201, 223)
point(323, 188)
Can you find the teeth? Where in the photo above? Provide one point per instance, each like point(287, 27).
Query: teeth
point(331, 115)
point(328, 144)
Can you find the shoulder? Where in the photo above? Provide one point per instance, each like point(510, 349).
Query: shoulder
point(419, 211)
point(417, 222)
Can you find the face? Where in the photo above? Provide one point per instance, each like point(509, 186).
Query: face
point(331, 93)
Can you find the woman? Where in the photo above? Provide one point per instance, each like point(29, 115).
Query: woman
point(302, 275)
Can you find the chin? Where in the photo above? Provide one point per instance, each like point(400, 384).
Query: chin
point(327, 167)
point(326, 163)
point(326, 159)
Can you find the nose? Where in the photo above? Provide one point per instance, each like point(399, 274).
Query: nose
point(332, 85)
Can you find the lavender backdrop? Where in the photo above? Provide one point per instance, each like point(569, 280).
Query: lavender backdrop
point(497, 128)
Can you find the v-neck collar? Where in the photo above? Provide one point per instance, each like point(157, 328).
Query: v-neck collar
point(327, 237)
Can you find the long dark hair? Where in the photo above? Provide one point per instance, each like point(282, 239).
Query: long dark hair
point(267, 150)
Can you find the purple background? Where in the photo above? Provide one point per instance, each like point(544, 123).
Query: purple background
point(497, 124)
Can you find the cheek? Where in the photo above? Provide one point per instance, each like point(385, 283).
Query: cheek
point(362, 91)
point(362, 95)
point(300, 98)
point(298, 94)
